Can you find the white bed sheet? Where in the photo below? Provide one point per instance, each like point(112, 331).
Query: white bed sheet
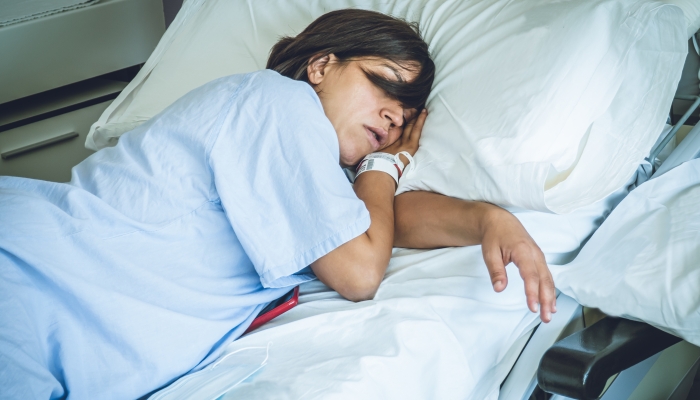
point(431, 332)
point(435, 329)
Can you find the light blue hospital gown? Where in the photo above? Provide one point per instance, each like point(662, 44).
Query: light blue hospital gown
point(161, 250)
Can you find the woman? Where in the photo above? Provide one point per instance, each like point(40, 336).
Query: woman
point(163, 249)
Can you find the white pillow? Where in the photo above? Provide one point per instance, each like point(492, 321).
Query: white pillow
point(642, 263)
point(539, 104)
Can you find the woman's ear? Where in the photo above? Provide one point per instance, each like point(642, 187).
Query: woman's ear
point(316, 69)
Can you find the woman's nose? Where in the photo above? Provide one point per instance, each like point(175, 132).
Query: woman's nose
point(393, 113)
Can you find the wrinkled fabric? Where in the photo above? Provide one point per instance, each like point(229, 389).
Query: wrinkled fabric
point(435, 329)
point(691, 9)
point(161, 250)
point(642, 263)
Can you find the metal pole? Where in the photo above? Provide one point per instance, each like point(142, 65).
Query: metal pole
point(676, 127)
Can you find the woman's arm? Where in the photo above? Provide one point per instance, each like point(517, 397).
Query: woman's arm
point(428, 220)
point(356, 268)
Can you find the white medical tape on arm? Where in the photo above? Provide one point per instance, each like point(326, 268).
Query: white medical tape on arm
point(379, 162)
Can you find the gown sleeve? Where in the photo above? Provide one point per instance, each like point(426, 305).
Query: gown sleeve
point(275, 164)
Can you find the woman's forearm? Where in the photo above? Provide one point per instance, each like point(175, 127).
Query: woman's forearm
point(425, 220)
point(356, 268)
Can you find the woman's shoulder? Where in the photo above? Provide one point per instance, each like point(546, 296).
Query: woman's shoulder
point(276, 88)
point(264, 87)
point(274, 78)
point(268, 100)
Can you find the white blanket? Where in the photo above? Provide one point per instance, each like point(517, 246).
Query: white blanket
point(435, 330)
point(644, 262)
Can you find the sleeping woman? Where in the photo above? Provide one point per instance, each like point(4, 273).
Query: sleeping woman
point(163, 249)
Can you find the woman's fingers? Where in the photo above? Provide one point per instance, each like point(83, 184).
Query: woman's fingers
point(409, 115)
point(415, 128)
point(539, 286)
point(406, 135)
point(548, 294)
point(410, 137)
point(528, 271)
point(494, 263)
point(505, 240)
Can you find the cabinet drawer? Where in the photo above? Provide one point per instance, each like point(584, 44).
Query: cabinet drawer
point(71, 46)
point(48, 149)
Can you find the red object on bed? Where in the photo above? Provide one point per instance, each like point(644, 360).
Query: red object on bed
point(279, 307)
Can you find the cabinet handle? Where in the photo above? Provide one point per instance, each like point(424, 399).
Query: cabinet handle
point(38, 145)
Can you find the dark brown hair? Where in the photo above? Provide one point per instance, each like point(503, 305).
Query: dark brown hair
point(351, 34)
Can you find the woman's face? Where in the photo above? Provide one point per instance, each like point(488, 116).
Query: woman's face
point(365, 118)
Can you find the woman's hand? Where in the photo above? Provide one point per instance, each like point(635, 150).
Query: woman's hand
point(408, 141)
point(426, 220)
point(505, 240)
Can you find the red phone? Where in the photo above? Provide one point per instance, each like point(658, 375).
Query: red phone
point(275, 309)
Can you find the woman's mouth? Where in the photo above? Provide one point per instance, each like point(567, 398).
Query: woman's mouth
point(376, 136)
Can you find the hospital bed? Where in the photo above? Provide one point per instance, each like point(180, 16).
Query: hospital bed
point(580, 354)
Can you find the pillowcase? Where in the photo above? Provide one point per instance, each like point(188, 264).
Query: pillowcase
point(539, 104)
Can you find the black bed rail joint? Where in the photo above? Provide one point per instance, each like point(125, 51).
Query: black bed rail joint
point(580, 365)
